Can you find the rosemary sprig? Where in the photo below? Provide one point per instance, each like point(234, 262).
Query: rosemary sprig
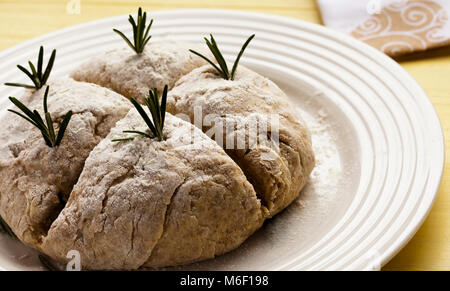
point(158, 112)
point(38, 76)
point(223, 70)
point(140, 32)
point(4, 227)
point(47, 129)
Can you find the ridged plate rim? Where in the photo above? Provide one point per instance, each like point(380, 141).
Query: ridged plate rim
point(316, 48)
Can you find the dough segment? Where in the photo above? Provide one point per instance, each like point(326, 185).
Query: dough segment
point(145, 202)
point(133, 75)
point(279, 172)
point(36, 180)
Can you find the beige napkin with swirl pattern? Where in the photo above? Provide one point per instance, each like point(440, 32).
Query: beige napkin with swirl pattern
point(396, 27)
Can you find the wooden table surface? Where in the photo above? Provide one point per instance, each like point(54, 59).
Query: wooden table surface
point(429, 249)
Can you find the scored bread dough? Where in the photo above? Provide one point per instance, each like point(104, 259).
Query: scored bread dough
point(36, 180)
point(133, 75)
point(150, 203)
point(277, 173)
point(155, 203)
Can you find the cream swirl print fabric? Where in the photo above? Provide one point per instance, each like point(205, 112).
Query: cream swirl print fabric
point(396, 27)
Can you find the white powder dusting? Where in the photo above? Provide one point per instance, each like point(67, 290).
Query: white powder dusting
point(328, 169)
point(308, 219)
point(288, 234)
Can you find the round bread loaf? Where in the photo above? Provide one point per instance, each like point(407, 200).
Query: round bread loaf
point(145, 202)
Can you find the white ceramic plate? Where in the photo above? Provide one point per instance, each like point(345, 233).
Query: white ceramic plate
point(377, 138)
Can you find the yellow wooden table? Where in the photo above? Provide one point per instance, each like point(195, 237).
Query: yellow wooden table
point(428, 250)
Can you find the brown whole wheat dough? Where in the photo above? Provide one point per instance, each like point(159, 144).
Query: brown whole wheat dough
point(155, 203)
point(133, 75)
point(36, 180)
point(278, 175)
point(150, 203)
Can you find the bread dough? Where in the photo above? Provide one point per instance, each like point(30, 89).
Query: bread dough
point(150, 203)
point(278, 175)
point(36, 180)
point(133, 75)
point(145, 202)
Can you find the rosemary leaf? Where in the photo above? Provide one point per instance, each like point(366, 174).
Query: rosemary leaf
point(146, 36)
point(22, 107)
point(38, 119)
point(153, 105)
point(216, 54)
point(140, 32)
point(163, 105)
point(219, 57)
point(133, 24)
point(209, 61)
point(144, 115)
point(45, 99)
point(139, 132)
point(38, 78)
point(236, 62)
point(40, 60)
point(122, 139)
point(51, 130)
point(33, 71)
point(63, 127)
point(124, 38)
point(24, 117)
point(158, 113)
point(49, 68)
point(214, 48)
point(29, 75)
point(46, 139)
point(46, 128)
point(41, 126)
point(20, 85)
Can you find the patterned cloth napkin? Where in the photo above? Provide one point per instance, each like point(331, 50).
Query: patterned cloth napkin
point(396, 27)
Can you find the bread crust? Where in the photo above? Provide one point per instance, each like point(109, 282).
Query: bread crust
point(133, 75)
point(36, 180)
point(277, 173)
point(151, 203)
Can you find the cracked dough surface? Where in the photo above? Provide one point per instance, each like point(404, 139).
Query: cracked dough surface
point(146, 203)
point(278, 175)
point(35, 180)
point(132, 75)
point(152, 203)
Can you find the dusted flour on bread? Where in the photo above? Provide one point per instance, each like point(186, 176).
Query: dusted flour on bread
point(155, 203)
point(133, 75)
point(278, 175)
point(36, 180)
